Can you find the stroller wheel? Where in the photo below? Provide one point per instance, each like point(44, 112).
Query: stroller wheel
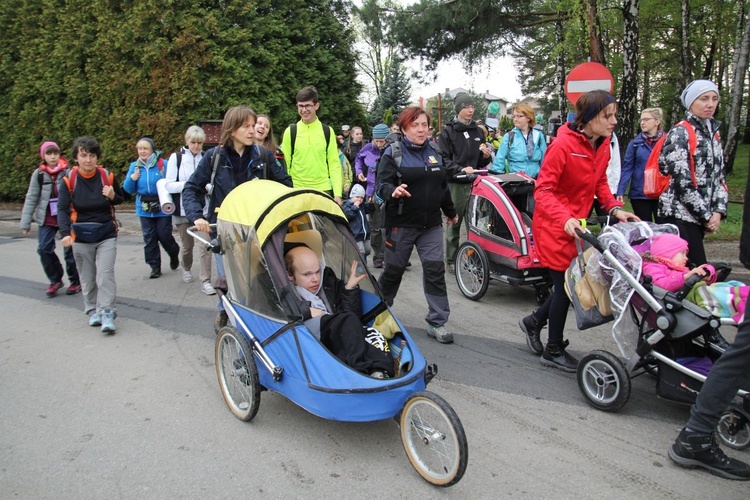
point(237, 373)
point(734, 430)
point(603, 379)
point(434, 439)
point(472, 270)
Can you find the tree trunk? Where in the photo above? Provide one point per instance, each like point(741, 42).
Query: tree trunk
point(685, 60)
point(737, 91)
point(629, 89)
point(562, 106)
point(596, 47)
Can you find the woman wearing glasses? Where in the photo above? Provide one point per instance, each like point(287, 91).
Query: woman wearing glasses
point(634, 165)
point(522, 149)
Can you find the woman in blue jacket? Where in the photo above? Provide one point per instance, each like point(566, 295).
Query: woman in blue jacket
point(523, 147)
point(634, 164)
point(155, 224)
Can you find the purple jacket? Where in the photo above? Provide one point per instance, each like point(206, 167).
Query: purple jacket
point(365, 163)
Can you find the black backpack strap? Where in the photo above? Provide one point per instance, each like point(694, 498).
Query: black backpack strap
point(396, 154)
point(215, 164)
point(293, 137)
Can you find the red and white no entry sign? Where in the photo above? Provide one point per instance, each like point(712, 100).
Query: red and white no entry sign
point(586, 77)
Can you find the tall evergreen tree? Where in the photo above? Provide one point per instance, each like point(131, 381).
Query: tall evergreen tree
point(395, 93)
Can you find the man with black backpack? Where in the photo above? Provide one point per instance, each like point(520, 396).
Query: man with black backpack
point(462, 146)
point(312, 154)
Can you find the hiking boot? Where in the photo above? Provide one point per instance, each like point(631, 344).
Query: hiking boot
point(221, 321)
point(694, 449)
point(451, 268)
point(440, 334)
point(174, 261)
point(155, 273)
point(73, 289)
point(108, 321)
point(95, 319)
point(532, 328)
point(717, 340)
point(555, 356)
point(377, 264)
point(54, 288)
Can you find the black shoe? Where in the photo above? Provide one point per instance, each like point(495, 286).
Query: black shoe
point(716, 339)
point(155, 273)
point(555, 356)
point(694, 449)
point(532, 328)
point(221, 321)
point(377, 264)
point(174, 261)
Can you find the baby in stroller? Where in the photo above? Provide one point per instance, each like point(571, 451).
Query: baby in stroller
point(335, 309)
point(666, 264)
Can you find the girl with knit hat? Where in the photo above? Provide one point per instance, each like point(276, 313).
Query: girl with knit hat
point(364, 167)
point(41, 206)
point(696, 199)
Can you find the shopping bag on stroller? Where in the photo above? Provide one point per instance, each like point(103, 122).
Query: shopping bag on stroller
point(588, 291)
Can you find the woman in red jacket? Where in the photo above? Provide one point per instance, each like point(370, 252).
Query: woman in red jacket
point(573, 171)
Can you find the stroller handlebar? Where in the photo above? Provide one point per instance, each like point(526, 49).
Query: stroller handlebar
point(213, 245)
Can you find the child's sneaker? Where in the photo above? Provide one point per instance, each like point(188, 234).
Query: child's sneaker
point(108, 321)
point(95, 319)
point(54, 288)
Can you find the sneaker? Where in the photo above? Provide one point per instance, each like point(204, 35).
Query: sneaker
point(378, 374)
point(221, 321)
point(95, 319)
point(174, 261)
point(73, 289)
point(451, 268)
point(694, 449)
point(377, 264)
point(208, 289)
point(54, 288)
point(717, 340)
point(155, 273)
point(108, 321)
point(532, 328)
point(440, 334)
point(187, 276)
point(556, 356)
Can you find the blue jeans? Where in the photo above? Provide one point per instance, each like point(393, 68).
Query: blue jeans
point(50, 262)
point(157, 230)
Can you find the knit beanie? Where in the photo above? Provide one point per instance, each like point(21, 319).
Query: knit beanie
point(380, 131)
point(44, 147)
point(462, 101)
point(357, 190)
point(667, 246)
point(695, 89)
point(150, 141)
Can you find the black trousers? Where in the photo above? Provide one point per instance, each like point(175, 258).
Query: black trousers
point(343, 335)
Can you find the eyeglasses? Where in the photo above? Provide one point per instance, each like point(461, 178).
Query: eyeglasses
point(305, 107)
point(647, 119)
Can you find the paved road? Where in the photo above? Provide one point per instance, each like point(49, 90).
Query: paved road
point(139, 414)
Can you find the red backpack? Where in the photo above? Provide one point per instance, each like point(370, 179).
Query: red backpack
point(654, 182)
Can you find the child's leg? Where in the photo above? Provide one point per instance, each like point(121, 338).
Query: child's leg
point(46, 250)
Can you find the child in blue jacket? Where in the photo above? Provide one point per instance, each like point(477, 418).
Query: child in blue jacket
point(356, 211)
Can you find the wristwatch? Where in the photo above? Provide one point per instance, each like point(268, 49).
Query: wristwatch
point(614, 210)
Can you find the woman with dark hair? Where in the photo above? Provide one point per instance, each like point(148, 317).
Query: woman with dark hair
point(574, 170)
point(264, 137)
point(634, 165)
point(412, 181)
point(696, 199)
point(236, 160)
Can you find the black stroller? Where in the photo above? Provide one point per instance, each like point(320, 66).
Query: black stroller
point(658, 333)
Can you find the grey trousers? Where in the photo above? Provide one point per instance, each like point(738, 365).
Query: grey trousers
point(399, 242)
point(730, 373)
point(186, 252)
point(96, 268)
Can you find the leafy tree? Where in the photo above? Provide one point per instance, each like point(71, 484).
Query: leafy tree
point(121, 69)
point(395, 93)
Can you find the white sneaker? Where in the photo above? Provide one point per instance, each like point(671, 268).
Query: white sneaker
point(208, 289)
point(187, 277)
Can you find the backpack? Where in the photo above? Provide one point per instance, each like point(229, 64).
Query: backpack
point(531, 131)
point(70, 181)
point(654, 182)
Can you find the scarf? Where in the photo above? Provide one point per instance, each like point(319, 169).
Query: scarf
point(62, 164)
point(314, 300)
point(653, 139)
point(530, 143)
point(669, 263)
point(140, 163)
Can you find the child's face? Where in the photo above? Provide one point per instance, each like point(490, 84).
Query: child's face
point(681, 258)
point(52, 158)
point(358, 199)
point(306, 269)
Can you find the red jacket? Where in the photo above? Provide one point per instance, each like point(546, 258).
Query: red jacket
point(571, 174)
